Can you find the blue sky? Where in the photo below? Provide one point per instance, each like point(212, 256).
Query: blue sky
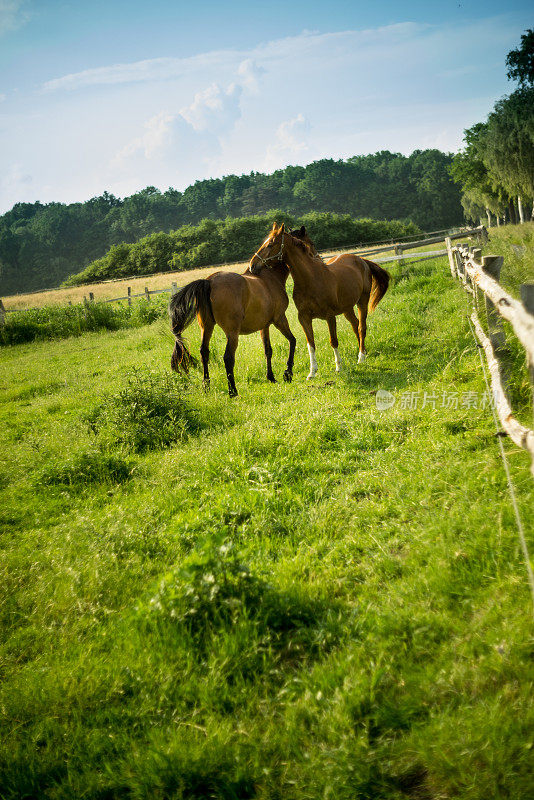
point(119, 95)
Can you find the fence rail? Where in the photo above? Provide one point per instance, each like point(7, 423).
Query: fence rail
point(481, 280)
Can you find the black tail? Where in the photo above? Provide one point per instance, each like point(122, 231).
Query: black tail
point(380, 283)
point(193, 299)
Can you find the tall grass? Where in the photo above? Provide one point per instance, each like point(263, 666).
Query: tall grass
point(58, 322)
point(516, 244)
point(150, 411)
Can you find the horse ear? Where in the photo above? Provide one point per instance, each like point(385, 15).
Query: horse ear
point(274, 226)
point(302, 231)
point(282, 228)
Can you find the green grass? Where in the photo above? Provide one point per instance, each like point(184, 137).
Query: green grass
point(59, 322)
point(516, 244)
point(295, 595)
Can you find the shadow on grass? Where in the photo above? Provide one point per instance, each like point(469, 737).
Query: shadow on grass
point(213, 601)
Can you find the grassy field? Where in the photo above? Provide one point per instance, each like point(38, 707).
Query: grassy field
point(291, 595)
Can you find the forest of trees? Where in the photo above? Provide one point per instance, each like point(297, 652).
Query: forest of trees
point(41, 245)
point(496, 166)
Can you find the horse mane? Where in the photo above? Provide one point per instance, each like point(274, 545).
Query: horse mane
point(310, 251)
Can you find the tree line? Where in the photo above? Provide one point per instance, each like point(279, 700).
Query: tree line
point(496, 166)
point(228, 240)
point(42, 244)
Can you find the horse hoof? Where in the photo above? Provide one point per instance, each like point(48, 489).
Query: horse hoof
point(206, 385)
point(311, 376)
point(361, 357)
point(271, 378)
point(288, 376)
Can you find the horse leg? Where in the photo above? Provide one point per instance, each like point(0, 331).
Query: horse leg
point(283, 326)
point(207, 329)
point(306, 322)
point(266, 339)
point(332, 327)
point(362, 313)
point(353, 319)
point(229, 361)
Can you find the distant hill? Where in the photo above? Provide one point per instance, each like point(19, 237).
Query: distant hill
point(41, 245)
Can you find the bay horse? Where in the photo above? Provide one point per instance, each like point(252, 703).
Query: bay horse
point(325, 290)
point(239, 304)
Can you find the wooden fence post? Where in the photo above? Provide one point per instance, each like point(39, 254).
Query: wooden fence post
point(459, 264)
point(477, 256)
point(492, 266)
point(2, 314)
point(129, 295)
point(398, 252)
point(527, 297)
point(147, 294)
point(91, 297)
point(450, 254)
point(174, 288)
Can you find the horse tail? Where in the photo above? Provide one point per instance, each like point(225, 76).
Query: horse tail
point(193, 299)
point(379, 284)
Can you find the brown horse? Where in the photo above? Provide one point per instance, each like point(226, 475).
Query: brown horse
point(325, 290)
point(239, 304)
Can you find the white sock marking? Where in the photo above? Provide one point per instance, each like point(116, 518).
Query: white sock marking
point(337, 359)
point(361, 357)
point(313, 362)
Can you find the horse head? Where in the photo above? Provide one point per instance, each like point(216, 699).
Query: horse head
point(272, 251)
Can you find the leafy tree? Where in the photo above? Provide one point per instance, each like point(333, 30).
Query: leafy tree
point(480, 192)
point(520, 62)
point(508, 145)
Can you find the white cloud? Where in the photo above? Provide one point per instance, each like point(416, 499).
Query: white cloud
point(290, 142)
point(154, 69)
point(156, 139)
point(245, 62)
point(12, 15)
point(169, 152)
point(196, 130)
point(214, 109)
point(16, 186)
point(249, 74)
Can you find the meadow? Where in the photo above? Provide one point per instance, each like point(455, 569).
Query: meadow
point(292, 594)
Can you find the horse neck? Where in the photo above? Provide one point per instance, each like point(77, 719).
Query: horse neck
point(280, 272)
point(306, 270)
